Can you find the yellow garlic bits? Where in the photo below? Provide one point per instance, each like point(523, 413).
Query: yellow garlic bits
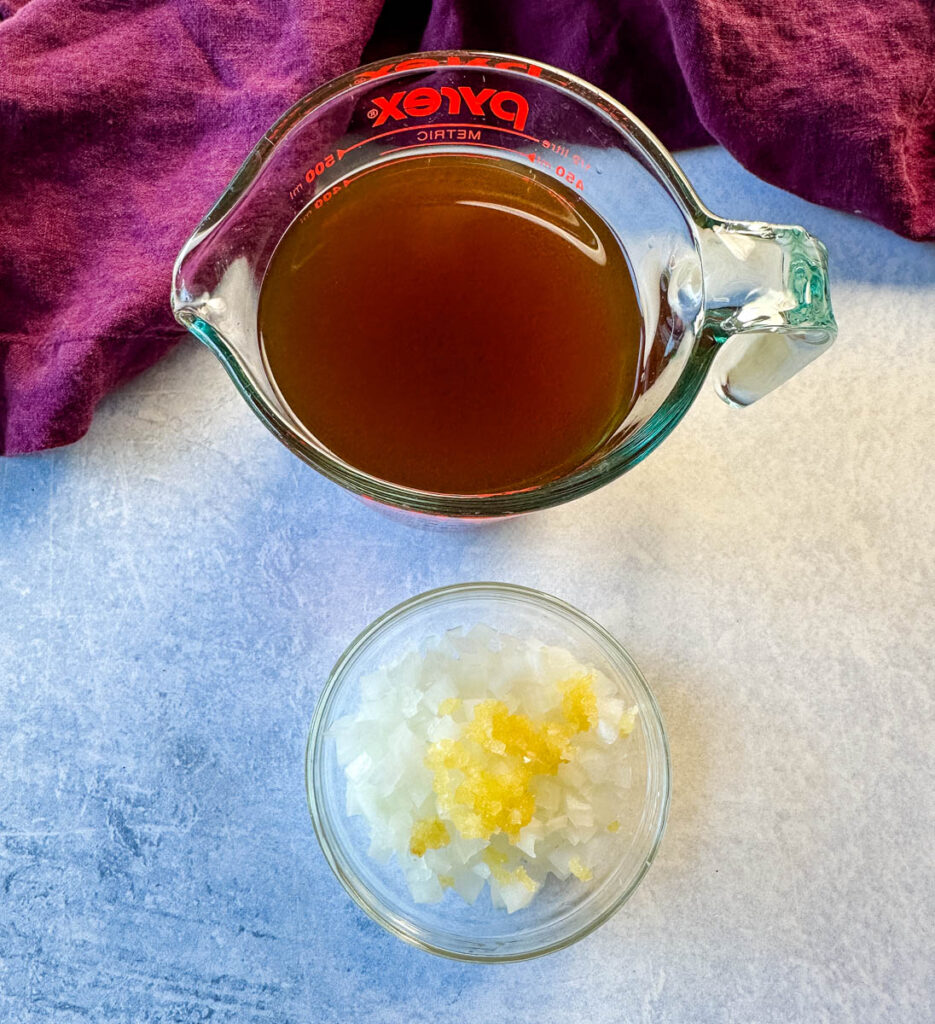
point(484, 781)
point(430, 834)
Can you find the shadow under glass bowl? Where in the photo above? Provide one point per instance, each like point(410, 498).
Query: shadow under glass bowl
point(562, 912)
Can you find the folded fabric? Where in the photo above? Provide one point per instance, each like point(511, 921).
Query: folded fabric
point(121, 122)
point(834, 101)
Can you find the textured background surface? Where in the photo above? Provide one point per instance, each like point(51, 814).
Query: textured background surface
point(175, 587)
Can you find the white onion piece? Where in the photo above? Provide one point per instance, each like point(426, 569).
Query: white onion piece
point(429, 696)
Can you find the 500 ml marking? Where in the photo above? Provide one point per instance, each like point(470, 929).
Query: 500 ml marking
point(315, 171)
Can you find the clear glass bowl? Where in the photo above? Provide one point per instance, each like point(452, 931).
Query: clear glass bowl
point(562, 912)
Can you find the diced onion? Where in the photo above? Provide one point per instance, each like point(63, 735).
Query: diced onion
point(484, 759)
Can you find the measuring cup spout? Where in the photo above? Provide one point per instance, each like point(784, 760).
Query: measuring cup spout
point(767, 304)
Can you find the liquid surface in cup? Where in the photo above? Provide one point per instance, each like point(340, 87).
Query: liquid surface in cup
point(458, 324)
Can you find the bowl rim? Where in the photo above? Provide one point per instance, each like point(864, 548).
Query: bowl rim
point(314, 747)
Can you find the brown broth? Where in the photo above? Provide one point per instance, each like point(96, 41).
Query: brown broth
point(457, 324)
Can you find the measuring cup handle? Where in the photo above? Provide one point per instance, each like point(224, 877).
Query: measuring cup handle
point(766, 305)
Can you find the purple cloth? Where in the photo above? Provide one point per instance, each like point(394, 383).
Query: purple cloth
point(831, 99)
point(120, 123)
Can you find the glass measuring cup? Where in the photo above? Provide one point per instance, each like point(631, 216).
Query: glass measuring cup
point(750, 298)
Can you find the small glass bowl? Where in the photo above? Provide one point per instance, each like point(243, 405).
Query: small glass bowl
point(562, 912)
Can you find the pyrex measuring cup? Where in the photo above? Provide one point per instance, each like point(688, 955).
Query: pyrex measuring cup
point(751, 298)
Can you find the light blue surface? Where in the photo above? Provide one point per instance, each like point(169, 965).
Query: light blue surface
point(175, 588)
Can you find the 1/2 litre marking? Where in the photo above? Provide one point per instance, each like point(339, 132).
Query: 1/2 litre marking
point(561, 150)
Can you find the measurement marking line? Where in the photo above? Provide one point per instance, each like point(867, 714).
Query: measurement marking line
point(477, 145)
point(347, 182)
point(432, 127)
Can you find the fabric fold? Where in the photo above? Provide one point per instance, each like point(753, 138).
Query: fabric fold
point(121, 122)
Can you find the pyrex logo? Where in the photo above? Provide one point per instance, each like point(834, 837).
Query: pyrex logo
point(424, 101)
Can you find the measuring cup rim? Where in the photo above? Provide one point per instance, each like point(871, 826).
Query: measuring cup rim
point(697, 214)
